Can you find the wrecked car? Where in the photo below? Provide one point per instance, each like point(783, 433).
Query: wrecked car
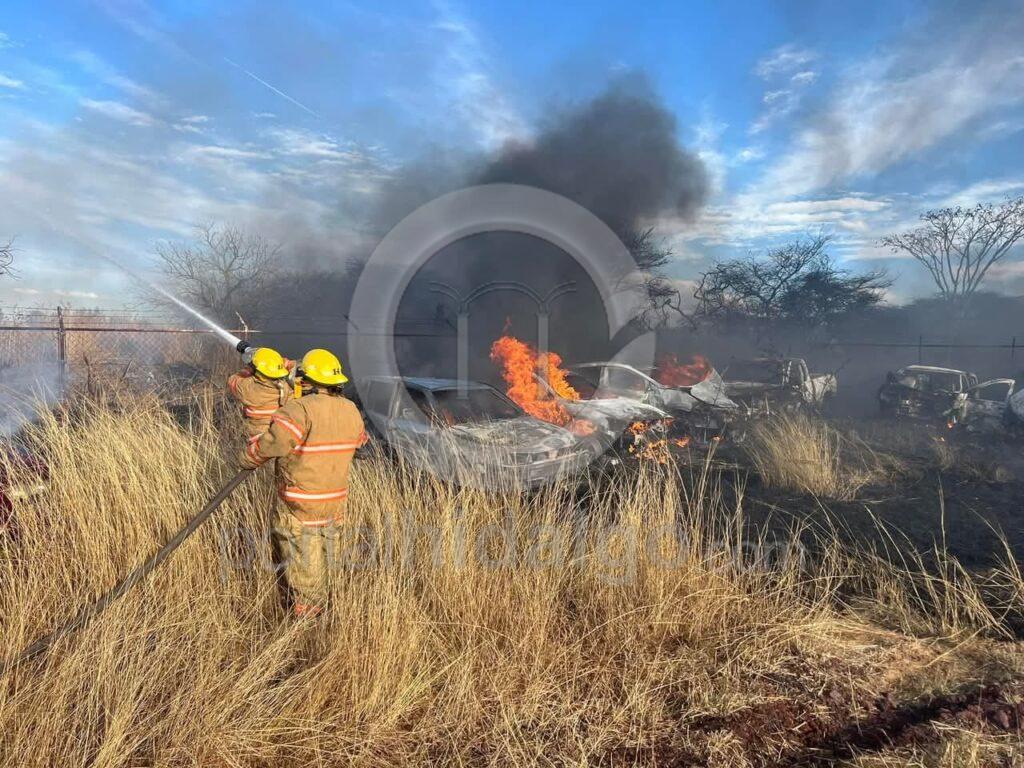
point(622, 425)
point(923, 392)
point(948, 396)
point(767, 384)
point(701, 412)
point(471, 429)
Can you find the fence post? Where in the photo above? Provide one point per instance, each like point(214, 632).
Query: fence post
point(1013, 347)
point(920, 341)
point(62, 351)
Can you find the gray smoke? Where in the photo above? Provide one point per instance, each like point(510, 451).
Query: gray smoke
point(25, 391)
point(617, 156)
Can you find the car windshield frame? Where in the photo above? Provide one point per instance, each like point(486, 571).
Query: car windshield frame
point(932, 379)
point(770, 371)
point(452, 409)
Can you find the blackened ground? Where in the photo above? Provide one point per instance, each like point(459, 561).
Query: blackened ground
point(962, 493)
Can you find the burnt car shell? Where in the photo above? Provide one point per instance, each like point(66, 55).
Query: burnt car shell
point(473, 429)
point(613, 418)
point(702, 411)
point(924, 392)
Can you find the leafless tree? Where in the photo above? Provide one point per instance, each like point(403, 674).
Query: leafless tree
point(661, 301)
point(225, 272)
point(7, 258)
point(958, 246)
point(797, 281)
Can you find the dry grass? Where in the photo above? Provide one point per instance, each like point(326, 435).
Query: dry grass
point(803, 453)
point(573, 648)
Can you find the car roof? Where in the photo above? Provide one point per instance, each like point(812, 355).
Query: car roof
point(428, 383)
point(607, 364)
point(930, 369)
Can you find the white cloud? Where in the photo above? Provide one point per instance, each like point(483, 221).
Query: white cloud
point(986, 191)
point(749, 154)
point(786, 70)
point(10, 82)
point(192, 124)
point(707, 135)
point(466, 74)
point(784, 60)
point(115, 110)
point(321, 146)
point(99, 69)
point(217, 151)
point(888, 109)
point(5, 40)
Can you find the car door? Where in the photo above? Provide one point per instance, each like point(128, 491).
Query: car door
point(409, 428)
point(985, 404)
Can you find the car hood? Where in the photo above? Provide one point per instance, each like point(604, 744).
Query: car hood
point(613, 413)
point(712, 391)
point(523, 433)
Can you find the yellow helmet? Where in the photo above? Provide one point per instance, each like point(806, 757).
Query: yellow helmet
point(269, 362)
point(322, 367)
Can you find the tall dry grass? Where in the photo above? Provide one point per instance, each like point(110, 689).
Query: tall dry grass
point(799, 452)
point(574, 646)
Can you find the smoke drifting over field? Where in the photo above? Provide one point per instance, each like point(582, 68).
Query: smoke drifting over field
point(618, 155)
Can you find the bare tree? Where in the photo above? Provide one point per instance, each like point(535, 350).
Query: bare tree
point(797, 281)
point(7, 258)
point(958, 246)
point(225, 272)
point(661, 300)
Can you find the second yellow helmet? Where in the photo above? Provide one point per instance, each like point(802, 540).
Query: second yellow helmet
point(322, 367)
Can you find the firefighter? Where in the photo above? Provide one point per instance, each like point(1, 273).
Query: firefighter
point(261, 387)
point(314, 438)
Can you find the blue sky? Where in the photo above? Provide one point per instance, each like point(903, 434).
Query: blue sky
point(123, 122)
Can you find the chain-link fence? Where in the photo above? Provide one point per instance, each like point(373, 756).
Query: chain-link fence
point(97, 350)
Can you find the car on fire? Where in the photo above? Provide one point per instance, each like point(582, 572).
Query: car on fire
point(701, 412)
point(623, 425)
point(768, 384)
point(473, 430)
point(949, 396)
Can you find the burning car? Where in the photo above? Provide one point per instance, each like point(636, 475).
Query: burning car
point(948, 396)
point(701, 411)
point(768, 384)
point(622, 425)
point(455, 427)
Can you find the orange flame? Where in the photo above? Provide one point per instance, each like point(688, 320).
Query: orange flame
point(670, 372)
point(519, 362)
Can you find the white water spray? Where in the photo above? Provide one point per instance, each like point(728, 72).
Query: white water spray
point(233, 340)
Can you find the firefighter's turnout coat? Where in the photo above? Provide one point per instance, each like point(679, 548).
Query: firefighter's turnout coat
point(314, 437)
point(260, 398)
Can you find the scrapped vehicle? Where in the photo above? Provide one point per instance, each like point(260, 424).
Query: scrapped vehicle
point(948, 396)
point(472, 430)
point(924, 392)
point(701, 412)
point(767, 384)
point(622, 425)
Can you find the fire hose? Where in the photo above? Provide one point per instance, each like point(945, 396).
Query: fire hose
point(93, 610)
